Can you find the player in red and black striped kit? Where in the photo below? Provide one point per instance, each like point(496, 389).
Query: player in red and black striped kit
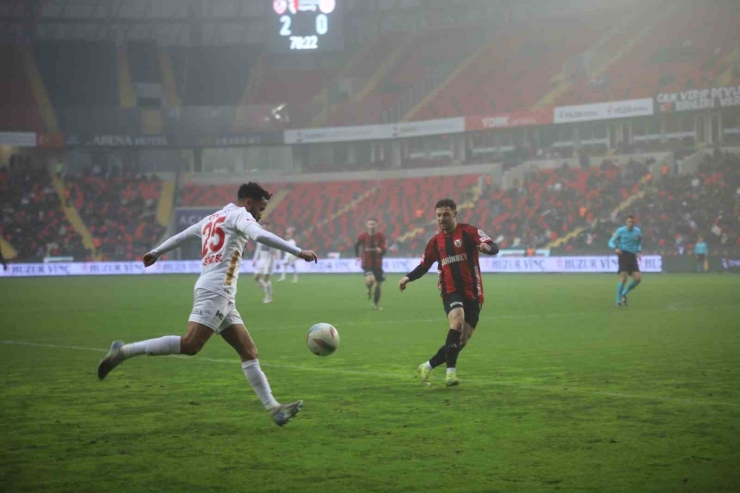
point(455, 249)
point(373, 247)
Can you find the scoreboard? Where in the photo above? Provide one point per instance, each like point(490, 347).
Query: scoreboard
point(306, 26)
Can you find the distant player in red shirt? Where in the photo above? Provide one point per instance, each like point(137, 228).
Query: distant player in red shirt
point(369, 249)
point(456, 250)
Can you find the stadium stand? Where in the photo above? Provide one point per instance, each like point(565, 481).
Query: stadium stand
point(676, 210)
point(513, 72)
point(78, 73)
point(119, 210)
point(31, 218)
point(669, 59)
point(20, 111)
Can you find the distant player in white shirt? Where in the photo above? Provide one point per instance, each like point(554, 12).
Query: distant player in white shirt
point(223, 236)
point(264, 262)
point(289, 260)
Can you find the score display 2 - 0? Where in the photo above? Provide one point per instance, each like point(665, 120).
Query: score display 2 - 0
point(307, 25)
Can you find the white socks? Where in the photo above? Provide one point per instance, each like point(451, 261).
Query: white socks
point(451, 370)
point(428, 365)
point(268, 289)
point(153, 347)
point(259, 383)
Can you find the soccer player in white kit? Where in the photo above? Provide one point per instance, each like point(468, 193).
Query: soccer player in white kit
point(264, 261)
point(289, 259)
point(223, 236)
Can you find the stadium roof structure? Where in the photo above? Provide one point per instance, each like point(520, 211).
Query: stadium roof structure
point(216, 22)
point(166, 22)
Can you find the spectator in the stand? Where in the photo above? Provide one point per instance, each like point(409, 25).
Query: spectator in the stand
point(701, 251)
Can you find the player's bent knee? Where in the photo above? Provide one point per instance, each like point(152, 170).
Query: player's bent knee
point(190, 347)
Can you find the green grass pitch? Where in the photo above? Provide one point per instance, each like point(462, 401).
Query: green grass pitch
point(561, 391)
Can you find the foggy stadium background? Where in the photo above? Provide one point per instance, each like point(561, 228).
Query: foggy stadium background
point(122, 122)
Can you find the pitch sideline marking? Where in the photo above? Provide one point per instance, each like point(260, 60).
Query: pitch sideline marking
point(403, 376)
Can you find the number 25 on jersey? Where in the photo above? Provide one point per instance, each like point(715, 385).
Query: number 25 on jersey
point(214, 237)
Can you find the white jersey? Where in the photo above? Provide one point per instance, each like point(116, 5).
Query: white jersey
point(223, 239)
point(223, 236)
point(264, 253)
point(288, 256)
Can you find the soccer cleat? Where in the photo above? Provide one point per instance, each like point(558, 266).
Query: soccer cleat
point(281, 279)
point(285, 412)
point(618, 304)
point(267, 300)
point(624, 300)
point(377, 307)
point(114, 358)
point(451, 380)
point(424, 374)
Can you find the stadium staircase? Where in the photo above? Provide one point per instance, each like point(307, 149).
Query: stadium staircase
point(621, 207)
point(73, 215)
point(344, 210)
point(126, 92)
point(562, 86)
point(151, 118)
point(170, 99)
point(241, 122)
point(39, 91)
point(166, 202)
point(433, 94)
point(8, 251)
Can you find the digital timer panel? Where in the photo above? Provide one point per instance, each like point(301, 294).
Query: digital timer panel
point(306, 26)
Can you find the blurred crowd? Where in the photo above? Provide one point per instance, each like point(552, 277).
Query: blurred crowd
point(677, 210)
point(31, 217)
point(119, 208)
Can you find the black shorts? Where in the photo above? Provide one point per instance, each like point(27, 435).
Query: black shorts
point(628, 263)
point(701, 257)
point(378, 273)
point(470, 307)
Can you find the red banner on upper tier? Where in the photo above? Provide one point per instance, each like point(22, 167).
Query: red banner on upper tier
point(538, 116)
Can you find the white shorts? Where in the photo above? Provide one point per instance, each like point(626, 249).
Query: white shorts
point(290, 260)
point(214, 311)
point(264, 267)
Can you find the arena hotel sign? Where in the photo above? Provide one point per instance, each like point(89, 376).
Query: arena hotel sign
point(118, 141)
point(699, 99)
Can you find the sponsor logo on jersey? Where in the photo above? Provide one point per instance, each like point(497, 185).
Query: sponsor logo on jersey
point(454, 259)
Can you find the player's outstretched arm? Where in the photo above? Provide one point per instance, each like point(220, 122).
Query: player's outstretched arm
point(254, 231)
point(192, 233)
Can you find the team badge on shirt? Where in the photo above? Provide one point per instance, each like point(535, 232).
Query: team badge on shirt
point(458, 243)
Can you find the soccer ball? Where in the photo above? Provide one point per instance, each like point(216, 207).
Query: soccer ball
point(322, 339)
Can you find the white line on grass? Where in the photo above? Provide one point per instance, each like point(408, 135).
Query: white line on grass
point(405, 376)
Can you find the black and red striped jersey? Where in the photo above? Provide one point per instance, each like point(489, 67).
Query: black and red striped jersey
point(456, 254)
point(371, 258)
